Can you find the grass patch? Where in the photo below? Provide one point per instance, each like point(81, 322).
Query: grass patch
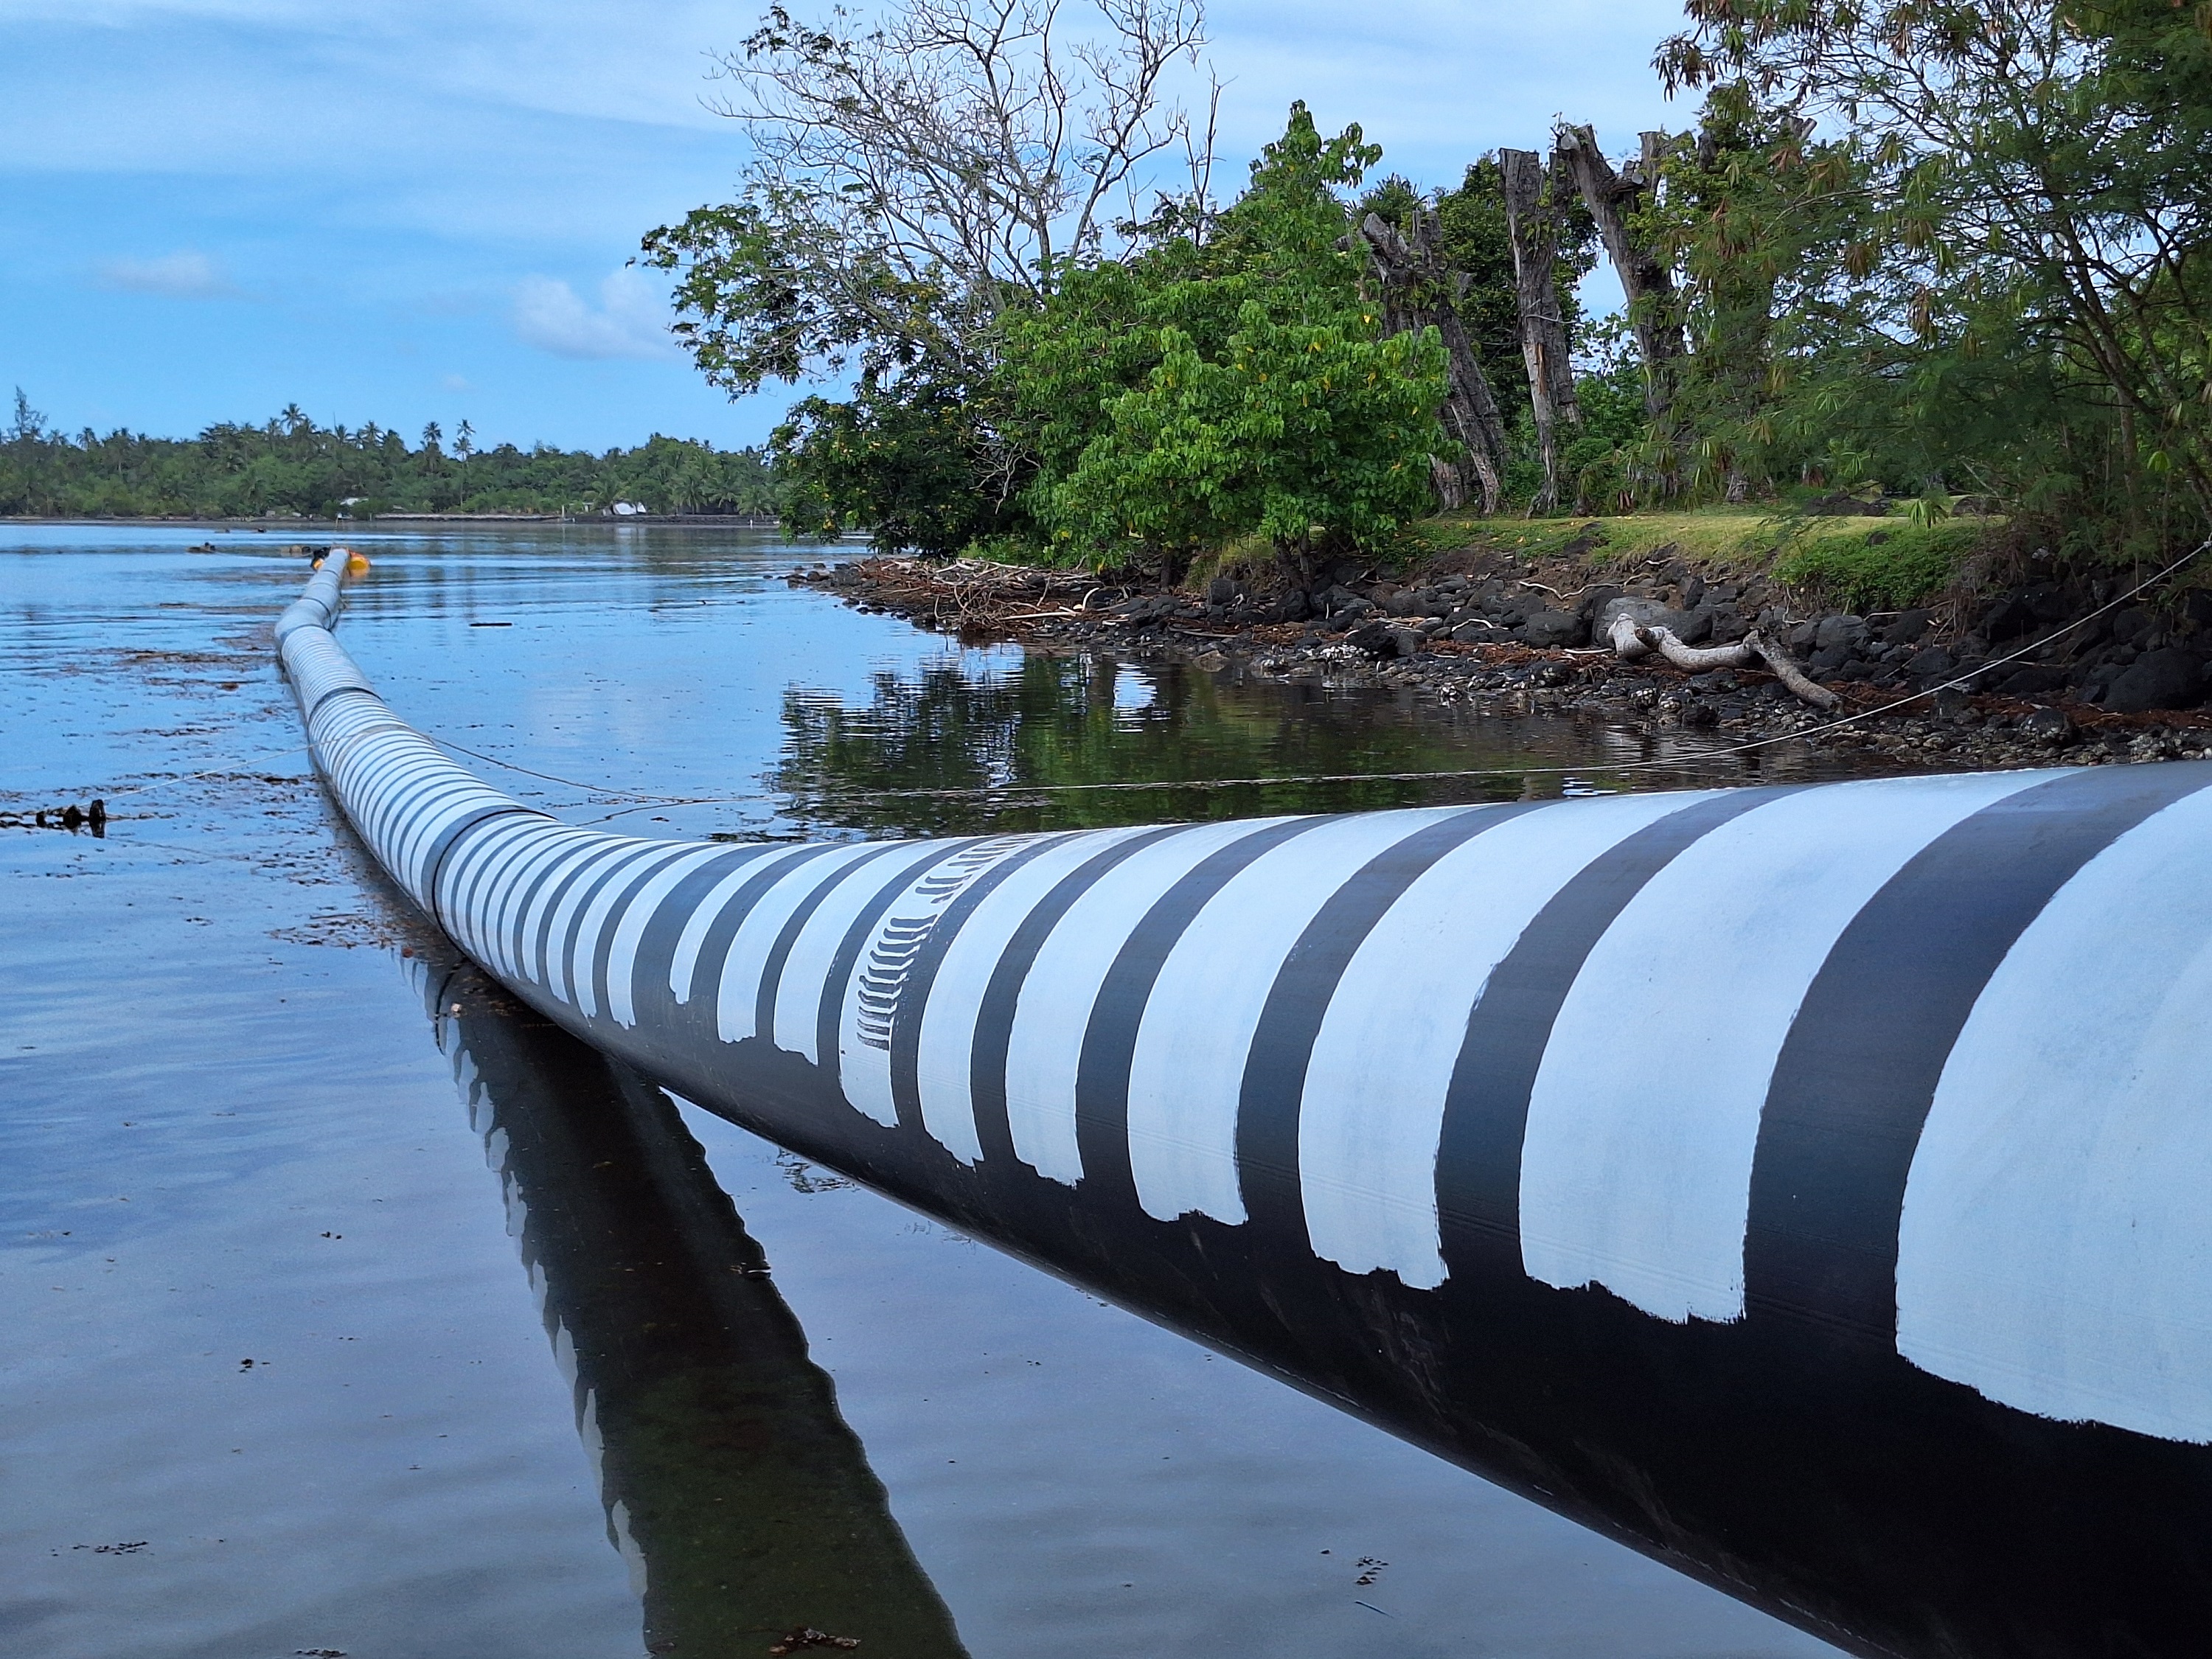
point(1867, 563)
point(1884, 568)
point(1715, 537)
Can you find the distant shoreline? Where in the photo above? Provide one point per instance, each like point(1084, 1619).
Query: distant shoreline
point(702, 520)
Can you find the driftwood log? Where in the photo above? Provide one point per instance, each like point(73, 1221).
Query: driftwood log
point(1530, 222)
point(1654, 312)
point(1628, 640)
point(1631, 644)
point(1777, 657)
point(1421, 291)
point(1702, 658)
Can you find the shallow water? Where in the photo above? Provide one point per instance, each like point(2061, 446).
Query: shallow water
point(232, 1132)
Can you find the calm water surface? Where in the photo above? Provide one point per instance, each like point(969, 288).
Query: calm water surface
point(279, 1377)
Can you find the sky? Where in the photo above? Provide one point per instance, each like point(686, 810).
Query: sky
point(413, 211)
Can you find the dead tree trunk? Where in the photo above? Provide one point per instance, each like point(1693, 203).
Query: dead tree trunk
point(1653, 306)
point(1420, 290)
point(1544, 346)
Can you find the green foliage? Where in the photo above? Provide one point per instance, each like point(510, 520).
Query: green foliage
point(755, 302)
point(1602, 462)
point(1226, 379)
point(917, 179)
point(1936, 248)
point(1885, 568)
point(1098, 338)
point(1240, 386)
point(911, 461)
point(1297, 431)
point(290, 465)
point(1956, 247)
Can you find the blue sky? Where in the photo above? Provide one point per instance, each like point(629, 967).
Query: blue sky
point(415, 211)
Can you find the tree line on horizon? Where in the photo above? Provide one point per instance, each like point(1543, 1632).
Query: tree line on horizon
point(289, 465)
point(1936, 249)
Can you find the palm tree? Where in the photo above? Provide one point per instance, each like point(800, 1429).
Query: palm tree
point(464, 444)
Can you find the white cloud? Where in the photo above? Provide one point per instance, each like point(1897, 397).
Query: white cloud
point(180, 275)
point(630, 320)
point(457, 383)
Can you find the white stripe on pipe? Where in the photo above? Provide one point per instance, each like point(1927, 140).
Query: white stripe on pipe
point(945, 1050)
point(447, 796)
point(806, 974)
point(403, 803)
point(737, 984)
point(621, 955)
point(683, 965)
point(529, 883)
point(464, 872)
point(477, 902)
point(1636, 1170)
point(1054, 1006)
point(599, 914)
point(516, 890)
point(572, 917)
point(541, 947)
point(1373, 1108)
point(1186, 1074)
point(544, 886)
point(434, 818)
point(371, 774)
point(880, 969)
point(2056, 1250)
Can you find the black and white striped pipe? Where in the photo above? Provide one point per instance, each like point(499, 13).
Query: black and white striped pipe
point(1811, 1185)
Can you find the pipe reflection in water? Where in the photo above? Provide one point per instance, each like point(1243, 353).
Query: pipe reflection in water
point(743, 1503)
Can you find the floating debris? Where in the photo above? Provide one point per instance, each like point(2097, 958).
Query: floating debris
point(800, 1639)
point(71, 818)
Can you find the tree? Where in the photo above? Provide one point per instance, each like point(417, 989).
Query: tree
point(1476, 244)
point(912, 461)
point(1617, 201)
point(29, 425)
point(913, 188)
point(1420, 291)
point(464, 445)
point(1531, 213)
point(910, 181)
point(247, 468)
point(1275, 406)
point(1991, 229)
point(1314, 435)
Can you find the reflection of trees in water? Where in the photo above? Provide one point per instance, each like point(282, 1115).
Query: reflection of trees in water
point(1059, 720)
point(744, 1503)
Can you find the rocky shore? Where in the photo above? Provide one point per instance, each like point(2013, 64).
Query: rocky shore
point(2035, 673)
